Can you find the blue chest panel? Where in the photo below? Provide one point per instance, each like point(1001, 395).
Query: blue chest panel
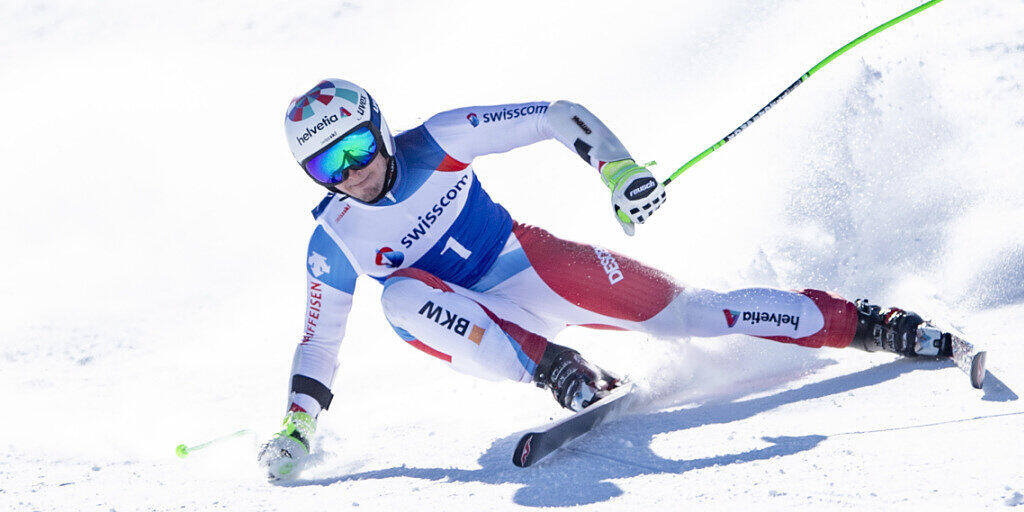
point(464, 253)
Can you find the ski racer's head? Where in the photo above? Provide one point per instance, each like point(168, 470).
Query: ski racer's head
point(338, 136)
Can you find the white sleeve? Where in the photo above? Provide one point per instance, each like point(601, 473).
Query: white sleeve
point(330, 283)
point(469, 132)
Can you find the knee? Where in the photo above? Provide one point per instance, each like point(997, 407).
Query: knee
point(692, 312)
point(407, 290)
point(398, 296)
point(672, 321)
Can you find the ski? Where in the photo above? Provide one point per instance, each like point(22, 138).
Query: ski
point(942, 340)
point(968, 358)
point(534, 446)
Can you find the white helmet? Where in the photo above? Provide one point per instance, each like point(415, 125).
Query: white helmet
point(328, 112)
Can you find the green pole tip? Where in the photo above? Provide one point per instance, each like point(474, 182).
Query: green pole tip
point(181, 451)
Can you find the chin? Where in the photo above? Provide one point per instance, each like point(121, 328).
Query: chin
point(367, 195)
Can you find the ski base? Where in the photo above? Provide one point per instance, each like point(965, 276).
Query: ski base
point(534, 446)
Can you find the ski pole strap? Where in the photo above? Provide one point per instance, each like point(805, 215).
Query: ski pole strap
point(314, 388)
point(795, 84)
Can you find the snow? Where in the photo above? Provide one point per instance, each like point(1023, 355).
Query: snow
point(155, 229)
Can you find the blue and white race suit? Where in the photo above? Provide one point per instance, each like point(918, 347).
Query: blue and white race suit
point(465, 283)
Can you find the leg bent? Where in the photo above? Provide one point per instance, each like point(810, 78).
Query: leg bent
point(446, 322)
point(594, 279)
point(579, 284)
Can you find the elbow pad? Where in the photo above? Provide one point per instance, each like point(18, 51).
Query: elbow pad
point(574, 126)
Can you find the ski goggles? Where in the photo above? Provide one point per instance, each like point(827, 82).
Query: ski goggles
point(353, 151)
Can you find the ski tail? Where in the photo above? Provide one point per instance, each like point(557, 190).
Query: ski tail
point(969, 358)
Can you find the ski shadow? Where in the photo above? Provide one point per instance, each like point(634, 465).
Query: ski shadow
point(566, 478)
point(997, 390)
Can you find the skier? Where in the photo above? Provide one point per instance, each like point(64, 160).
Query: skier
point(465, 283)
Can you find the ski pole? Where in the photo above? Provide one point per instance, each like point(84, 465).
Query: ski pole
point(799, 81)
point(182, 450)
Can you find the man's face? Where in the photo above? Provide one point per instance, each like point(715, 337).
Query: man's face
point(366, 183)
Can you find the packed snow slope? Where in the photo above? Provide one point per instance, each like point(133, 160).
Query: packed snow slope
point(154, 230)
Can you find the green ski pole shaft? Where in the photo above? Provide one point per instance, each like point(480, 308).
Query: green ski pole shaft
point(796, 84)
point(182, 450)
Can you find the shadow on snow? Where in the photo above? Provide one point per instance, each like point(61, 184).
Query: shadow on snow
point(566, 478)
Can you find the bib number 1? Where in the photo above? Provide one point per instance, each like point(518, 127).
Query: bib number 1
point(453, 245)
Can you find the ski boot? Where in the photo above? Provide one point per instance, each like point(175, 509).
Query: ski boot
point(899, 331)
point(573, 381)
point(283, 454)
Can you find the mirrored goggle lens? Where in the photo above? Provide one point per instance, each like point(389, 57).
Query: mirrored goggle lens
point(353, 151)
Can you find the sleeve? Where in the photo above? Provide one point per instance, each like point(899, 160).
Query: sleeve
point(330, 283)
point(469, 132)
